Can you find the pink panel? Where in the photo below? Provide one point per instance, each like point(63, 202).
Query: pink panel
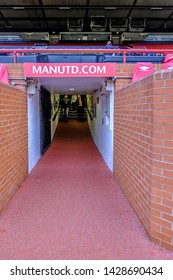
point(168, 62)
point(141, 70)
point(3, 74)
point(69, 70)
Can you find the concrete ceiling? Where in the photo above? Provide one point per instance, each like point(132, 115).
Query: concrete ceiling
point(52, 15)
point(71, 85)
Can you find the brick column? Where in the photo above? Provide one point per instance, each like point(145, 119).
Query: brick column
point(143, 152)
point(13, 136)
point(162, 160)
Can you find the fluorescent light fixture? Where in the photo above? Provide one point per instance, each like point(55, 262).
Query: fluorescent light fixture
point(71, 88)
point(110, 8)
point(156, 8)
point(64, 8)
point(18, 8)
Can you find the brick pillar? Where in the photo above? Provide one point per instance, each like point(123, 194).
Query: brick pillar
point(143, 152)
point(162, 162)
point(13, 136)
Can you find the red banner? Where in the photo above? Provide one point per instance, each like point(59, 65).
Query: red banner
point(168, 61)
point(141, 70)
point(4, 74)
point(69, 70)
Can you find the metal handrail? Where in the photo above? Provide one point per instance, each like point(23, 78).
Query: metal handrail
point(124, 52)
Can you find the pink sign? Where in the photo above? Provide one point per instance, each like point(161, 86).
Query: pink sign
point(4, 74)
point(141, 70)
point(168, 61)
point(69, 70)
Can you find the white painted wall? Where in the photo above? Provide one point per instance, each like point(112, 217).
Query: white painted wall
point(102, 125)
point(55, 99)
point(34, 148)
point(33, 129)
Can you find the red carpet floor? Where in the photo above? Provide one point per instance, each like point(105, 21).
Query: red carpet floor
point(70, 207)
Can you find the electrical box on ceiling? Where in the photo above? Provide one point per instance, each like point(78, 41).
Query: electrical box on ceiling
point(137, 25)
point(75, 24)
point(85, 36)
point(98, 23)
point(118, 24)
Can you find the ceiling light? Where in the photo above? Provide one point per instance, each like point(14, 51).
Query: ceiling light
point(18, 8)
point(64, 8)
point(71, 88)
point(110, 8)
point(156, 8)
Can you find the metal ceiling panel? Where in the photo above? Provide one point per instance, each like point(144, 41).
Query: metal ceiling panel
point(150, 23)
point(64, 13)
point(53, 23)
point(19, 2)
point(26, 23)
point(109, 13)
point(169, 24)
point(151, 13)
point(154, 3)
point(21, 13)
point(111, 3)
point(64, 2)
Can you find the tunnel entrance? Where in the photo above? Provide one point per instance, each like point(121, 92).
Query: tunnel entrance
point(52, 80)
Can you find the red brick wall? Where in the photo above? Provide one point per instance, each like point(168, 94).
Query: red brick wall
point(124, 74)
point(162, 161)
point(143, 152)
point(16, 75)
point(13, 138)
